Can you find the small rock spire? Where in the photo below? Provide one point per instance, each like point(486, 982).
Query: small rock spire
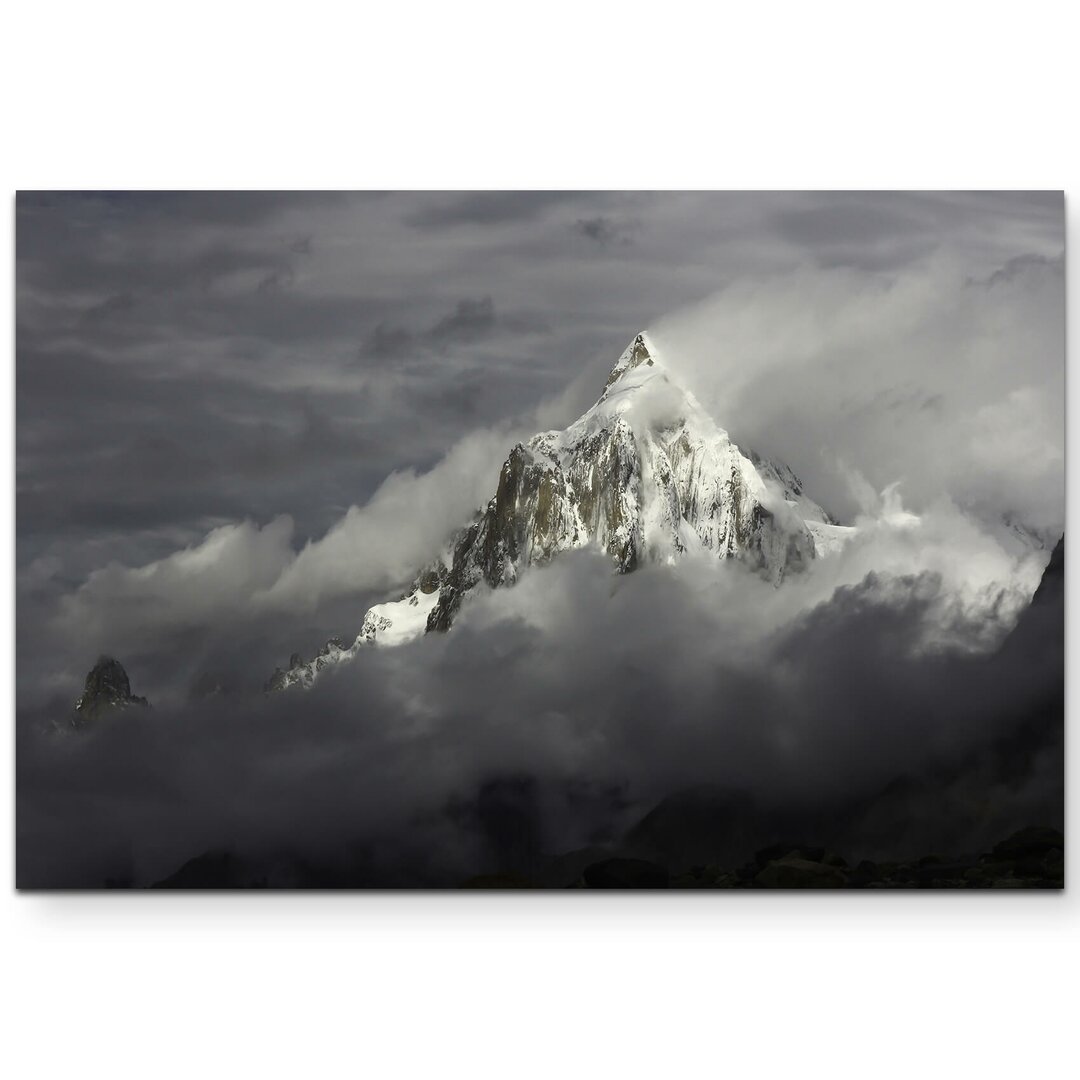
point(107, 687)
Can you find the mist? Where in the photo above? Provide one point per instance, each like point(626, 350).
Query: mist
point(575, 701)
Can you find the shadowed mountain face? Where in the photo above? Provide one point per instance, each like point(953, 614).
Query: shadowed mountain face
point(107, 688)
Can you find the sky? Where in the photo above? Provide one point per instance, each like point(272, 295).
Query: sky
point(242, 418)
point(191, 360)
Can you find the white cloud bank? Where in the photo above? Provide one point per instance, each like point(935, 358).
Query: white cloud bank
point(952, 385)
point(240, 570)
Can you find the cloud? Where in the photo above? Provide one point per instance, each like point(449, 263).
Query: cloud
point(276, 280)
point(205, 583)
point(220, 592)
point(486, 208)
point(605, 230)
point(553, 716)
point(927, 377)
point(238, 573)
point(865, 235)
point(113, 305)
point(1012, 439)
point(389, 342)
point(471, 319)
point(401, 527)
point(887, 230)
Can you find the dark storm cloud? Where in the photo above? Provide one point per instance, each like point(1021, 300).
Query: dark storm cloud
point(276, 280)
point(219, 209)
point(882, 231)
point(1021, 264)
point(159, 446)
point(470, 322)
point(71, 245)
point(607, 230)
point(471, 319)
point(389, 343)
point(114, 305)
point(840, 223)
point(410, 765)
point(486, 208)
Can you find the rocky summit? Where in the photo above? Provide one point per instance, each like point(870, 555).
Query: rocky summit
point(107, 689)
point(644, 475)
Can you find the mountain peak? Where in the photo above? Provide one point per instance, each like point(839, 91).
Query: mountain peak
point(639, 351)
point(107, 687)
point(645, 475)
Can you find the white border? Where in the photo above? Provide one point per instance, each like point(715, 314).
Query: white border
point(482, 95)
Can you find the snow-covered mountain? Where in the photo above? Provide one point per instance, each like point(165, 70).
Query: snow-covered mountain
point(646, 475)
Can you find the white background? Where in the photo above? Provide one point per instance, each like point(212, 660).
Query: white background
point(791, 95)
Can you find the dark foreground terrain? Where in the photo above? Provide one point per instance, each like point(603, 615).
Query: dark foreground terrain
point(1032, 858)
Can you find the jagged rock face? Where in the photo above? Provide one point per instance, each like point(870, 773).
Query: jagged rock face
point(301, 672)
point(107, 688)
point(539, 510)
point(1052, 584)
point(645, 475)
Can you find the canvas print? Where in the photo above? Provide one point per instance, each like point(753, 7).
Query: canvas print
point(540, 539)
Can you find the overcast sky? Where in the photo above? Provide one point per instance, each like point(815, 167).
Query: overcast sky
point(192, 359)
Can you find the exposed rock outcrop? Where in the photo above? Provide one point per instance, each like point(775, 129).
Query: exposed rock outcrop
point(107, 689)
